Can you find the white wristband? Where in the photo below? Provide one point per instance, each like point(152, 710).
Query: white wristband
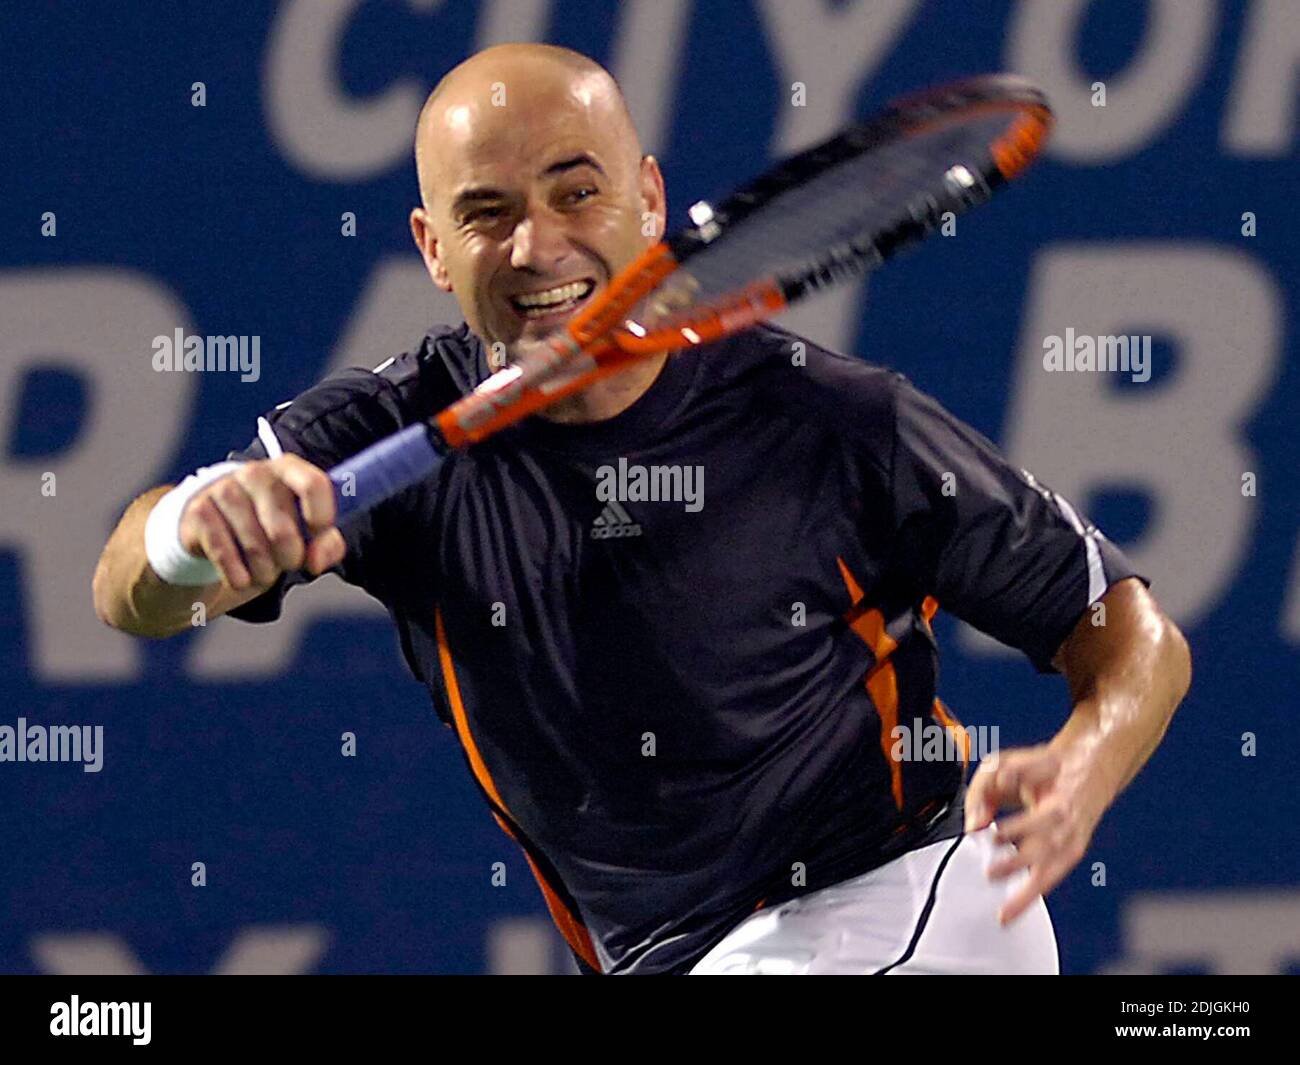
point(162, 531)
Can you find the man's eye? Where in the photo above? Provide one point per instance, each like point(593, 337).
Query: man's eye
point(483, 214)
point(584, 193)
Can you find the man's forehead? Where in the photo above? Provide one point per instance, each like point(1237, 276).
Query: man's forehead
point(516, 148)
point(480, 120)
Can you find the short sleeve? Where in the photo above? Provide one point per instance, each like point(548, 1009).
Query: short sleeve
point(332, 421)
point(994, 546)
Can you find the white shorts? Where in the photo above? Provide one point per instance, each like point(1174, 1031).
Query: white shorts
point(929, 911)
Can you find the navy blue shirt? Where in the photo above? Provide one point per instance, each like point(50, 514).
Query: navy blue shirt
point(673, 644)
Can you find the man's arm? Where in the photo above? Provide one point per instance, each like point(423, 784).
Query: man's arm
point(1016, 560)
point(245, 523)
point(1126, 678)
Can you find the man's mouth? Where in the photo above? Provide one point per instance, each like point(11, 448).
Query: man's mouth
point(552, 302)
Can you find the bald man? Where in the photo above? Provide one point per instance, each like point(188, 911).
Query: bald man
point(685, 706)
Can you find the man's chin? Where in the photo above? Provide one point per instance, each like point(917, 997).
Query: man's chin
point(508, 353)
point(533, 338)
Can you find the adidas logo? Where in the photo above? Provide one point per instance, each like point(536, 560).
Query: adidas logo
point(614, 522)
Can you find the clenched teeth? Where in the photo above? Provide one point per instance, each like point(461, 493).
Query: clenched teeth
point(553, 297)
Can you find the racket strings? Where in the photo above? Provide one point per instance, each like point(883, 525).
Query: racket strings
point(867, 193)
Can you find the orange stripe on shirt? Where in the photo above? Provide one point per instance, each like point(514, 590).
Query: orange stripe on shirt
point(929, 607)
point(574, 932)
point(481, 773)
point(855, 590)
point(958, 730)
point(882, 681)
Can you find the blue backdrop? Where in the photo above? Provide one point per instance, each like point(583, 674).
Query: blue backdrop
point(199, 166)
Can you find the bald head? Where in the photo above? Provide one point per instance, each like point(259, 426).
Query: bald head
point(519, 82)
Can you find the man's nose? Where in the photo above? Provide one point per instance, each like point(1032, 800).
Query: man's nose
point(538, 243)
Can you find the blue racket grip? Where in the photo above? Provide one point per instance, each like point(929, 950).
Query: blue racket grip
point(382, 470)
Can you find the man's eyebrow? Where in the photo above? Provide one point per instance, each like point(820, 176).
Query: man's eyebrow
point(581, 159)
point(476, 194)
point(486, 193)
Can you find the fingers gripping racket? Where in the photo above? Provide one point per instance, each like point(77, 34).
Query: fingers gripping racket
point(829, 214)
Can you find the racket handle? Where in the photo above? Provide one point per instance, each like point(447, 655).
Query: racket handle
point(382, 470)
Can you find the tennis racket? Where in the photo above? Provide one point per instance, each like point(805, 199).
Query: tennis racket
point(824, 216)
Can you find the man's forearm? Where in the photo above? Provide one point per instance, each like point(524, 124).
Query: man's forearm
point(128, 594)
point(1126, 678)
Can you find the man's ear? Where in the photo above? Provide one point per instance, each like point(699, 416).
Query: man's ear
point(654, 202)
point(422, 231)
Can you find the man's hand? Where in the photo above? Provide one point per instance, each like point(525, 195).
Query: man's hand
point(1061, 808)
point(1127, 675)
point(246, 523)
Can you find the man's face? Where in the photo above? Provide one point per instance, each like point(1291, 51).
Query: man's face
point(535, 205)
